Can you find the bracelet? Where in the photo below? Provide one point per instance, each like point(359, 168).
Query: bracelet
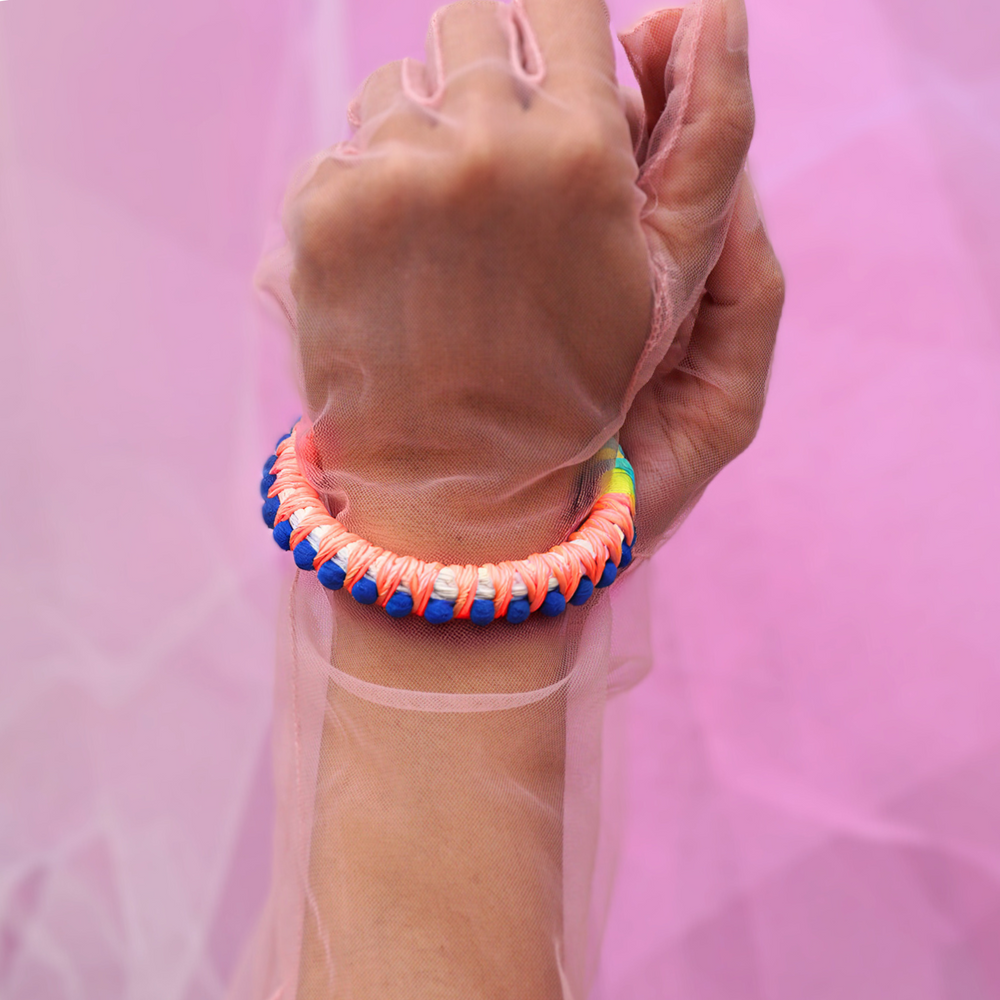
point(591, 556)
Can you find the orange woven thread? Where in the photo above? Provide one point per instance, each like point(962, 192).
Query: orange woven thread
point(317, 517)
point(620, 510)
point(423, 576)
point(584, 553)
point(286, 466)
point(467, 578)
point(597, 541)
point(535, 572)
point(337, 538)
point(580, 553)
point(359, 559)
point(567, 568)
point(502, 578)
point(388, 577)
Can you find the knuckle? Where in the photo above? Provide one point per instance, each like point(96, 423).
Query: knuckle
point(313, 218)
point(776, 288)
point(769, 288)
point(582, 165)
point(469, 178)
point(357, 208)
point(583, 152)
point(736, 426)
point(393, 180)
point(746, 423)
point(480, 157)
point(386, 196)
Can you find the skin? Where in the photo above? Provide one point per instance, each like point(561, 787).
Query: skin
point(536, 205)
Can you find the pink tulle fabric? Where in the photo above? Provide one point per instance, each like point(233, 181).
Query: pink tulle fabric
point(807, 795)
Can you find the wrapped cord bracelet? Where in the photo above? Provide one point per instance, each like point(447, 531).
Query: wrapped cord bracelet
point(403, 585)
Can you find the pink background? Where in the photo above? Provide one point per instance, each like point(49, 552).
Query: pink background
point(814, 783)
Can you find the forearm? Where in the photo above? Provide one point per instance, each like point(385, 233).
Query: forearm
point(436, 860)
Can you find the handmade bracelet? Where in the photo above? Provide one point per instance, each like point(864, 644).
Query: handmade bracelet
point(589, 558)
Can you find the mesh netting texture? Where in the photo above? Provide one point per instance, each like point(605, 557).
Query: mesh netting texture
point(805, 781)
point(511, 261)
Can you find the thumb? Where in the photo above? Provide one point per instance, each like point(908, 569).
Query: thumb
point(690, 419)
point(647, 45)
point(699, 143)
point(694, 155)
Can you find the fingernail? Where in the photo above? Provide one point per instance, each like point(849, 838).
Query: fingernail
point(737, 28)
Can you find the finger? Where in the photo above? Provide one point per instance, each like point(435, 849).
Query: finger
point(379, 93)
point(635, 115)
point(647, 46)
point(575, 42)
point(469, 44)
point(691, 419)
point(733, 339)
point(383, 108)
point(698, 146)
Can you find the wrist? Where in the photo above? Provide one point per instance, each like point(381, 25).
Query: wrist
point(442, 587)
point(442, 524)
point(453, 523)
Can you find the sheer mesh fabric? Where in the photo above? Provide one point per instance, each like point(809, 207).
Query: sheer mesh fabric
point(433, 782)
point(475, 801)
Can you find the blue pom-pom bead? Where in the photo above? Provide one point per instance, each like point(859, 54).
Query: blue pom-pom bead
point(331, 575)
point(365, 591)
point(626, 555)
point(482, 612)
point(518, 611)
point(609, 574)
point(583, 591)
point(265, 485)
point(304, 554)
point(284, 437)
point(268, 465)
point(399, 605)
point(554, 604)
point(283, 534)
point(270, 510)
point(438, 611)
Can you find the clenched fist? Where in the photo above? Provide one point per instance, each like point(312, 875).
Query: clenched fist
point(504, 265)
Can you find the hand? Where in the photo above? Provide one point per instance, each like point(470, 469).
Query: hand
point(488, 273)
point(692, 419)
point(704, 401)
